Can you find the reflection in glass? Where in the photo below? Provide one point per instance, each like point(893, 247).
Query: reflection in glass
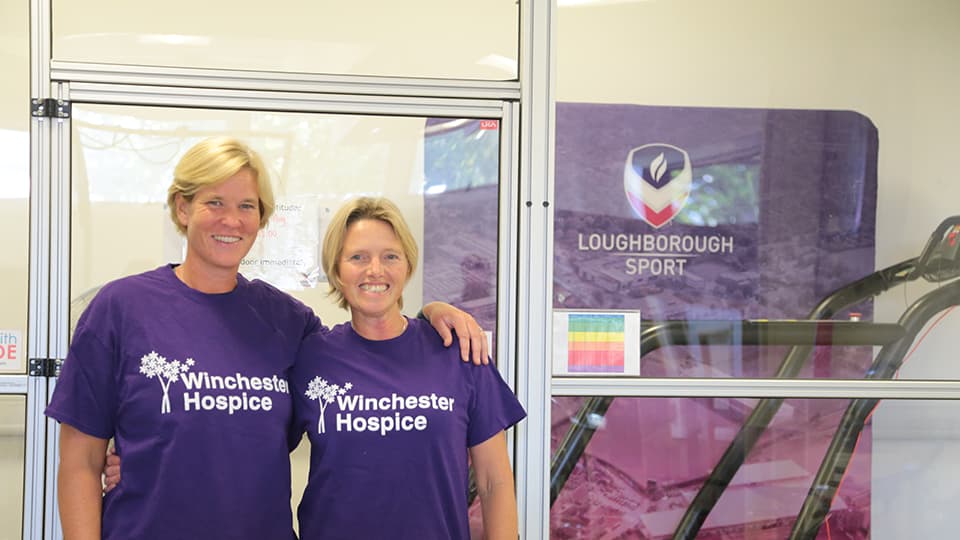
point(649, 456)
point(461, 185)
point(123, 158)
point(12, 443)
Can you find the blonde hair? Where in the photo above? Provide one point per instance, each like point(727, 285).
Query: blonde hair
point(212, 161)
point(377, 208)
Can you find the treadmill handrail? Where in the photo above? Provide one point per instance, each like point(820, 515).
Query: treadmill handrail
point(657, 334)
point(825, 484)
point(763, 412)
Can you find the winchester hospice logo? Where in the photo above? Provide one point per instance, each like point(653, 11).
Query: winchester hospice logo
point(166, 372)
point(383, 414)
point(657, 179)
point(204, 392)
point(320, 390)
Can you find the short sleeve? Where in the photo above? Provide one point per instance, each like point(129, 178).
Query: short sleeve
point(312, 324)
point(493, 406)
point(86, 392)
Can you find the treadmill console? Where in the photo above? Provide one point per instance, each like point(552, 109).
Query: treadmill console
point(940, 260)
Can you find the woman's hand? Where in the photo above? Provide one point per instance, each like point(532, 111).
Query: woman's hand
point(111, 470)
point(473, 340)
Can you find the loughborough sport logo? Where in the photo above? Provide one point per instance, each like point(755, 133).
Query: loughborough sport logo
point(657, 179)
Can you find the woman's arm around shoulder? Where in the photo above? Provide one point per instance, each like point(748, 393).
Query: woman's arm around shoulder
point(495, 487)
point(473, 340)
point(82, 458)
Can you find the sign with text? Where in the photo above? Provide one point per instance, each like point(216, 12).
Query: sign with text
point(287, 251)
point(11, 350)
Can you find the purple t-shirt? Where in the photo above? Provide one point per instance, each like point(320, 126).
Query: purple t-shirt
point(194, 389)
point(389, 424)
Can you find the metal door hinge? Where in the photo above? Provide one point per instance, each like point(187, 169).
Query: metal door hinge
point(50, 108)
point(45, 367)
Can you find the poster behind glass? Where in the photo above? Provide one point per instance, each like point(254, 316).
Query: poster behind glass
point(702, 214)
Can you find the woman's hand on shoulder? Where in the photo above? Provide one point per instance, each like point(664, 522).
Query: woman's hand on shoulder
point(473, 340)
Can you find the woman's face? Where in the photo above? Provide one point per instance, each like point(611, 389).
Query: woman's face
point(373, 268)
point(222, 222)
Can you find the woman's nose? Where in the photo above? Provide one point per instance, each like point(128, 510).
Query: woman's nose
point(232, 218)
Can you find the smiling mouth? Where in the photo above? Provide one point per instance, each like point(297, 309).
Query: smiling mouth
point(374, 288)
point(226, 239)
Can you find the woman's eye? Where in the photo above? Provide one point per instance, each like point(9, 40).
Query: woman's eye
point(248, 206)
point(215, 203)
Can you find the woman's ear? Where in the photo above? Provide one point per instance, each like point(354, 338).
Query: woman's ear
point(183, 209)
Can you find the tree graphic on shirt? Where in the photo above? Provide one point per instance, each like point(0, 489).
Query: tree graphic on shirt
point(153, 365)
point(324, 392)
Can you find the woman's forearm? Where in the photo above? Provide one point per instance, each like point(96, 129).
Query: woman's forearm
point(78, 484)
point(495, 488)
point(80, 505)
point(499, 504)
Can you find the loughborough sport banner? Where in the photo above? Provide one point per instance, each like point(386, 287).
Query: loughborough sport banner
point(702, 213)
point(697, 214)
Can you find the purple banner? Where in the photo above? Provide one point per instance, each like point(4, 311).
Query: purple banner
point(697, 214)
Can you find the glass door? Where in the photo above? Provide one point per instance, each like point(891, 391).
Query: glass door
point(444, 171)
